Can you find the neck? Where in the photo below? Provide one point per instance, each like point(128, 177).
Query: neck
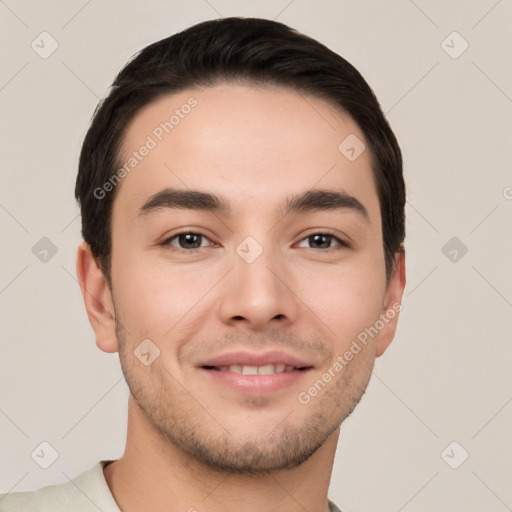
point(154, 471)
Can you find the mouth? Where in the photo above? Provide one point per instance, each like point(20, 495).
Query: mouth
point(253, 373)
point(267, 369)
point(252, 363)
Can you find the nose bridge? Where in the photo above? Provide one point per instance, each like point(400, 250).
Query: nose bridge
point(256, 293)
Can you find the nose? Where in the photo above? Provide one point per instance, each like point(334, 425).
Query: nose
point(259, 294)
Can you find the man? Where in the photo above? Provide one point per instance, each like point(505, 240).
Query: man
point(242, 209)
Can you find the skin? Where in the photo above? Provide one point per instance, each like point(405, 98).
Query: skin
point(193, 442)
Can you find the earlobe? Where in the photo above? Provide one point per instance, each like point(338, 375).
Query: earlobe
point(392, 306)
point(97, 299)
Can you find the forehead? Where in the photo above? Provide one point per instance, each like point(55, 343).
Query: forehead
point(243, 142)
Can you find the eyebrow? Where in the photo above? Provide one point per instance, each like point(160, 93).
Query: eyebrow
point(311, 200)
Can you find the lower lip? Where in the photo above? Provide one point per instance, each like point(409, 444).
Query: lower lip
point(257, 384)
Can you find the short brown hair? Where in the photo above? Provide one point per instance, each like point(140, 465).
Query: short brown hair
point(236, 50)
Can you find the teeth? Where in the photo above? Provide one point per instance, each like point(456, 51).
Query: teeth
point(250, 370)
point(267, 369)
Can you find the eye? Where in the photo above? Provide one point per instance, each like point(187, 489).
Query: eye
point(188, 240)
point(323, 241)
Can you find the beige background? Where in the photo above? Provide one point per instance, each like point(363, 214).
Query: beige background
point(445, 378)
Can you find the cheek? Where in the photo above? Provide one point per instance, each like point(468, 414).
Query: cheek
point(346, 302)
point(156, 300)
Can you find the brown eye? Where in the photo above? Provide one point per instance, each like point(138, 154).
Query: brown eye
point(322, 241)
point(188, 241)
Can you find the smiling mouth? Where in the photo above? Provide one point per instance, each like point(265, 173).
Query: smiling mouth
point(267, 369)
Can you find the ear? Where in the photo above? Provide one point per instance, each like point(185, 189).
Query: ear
point(97, 299)
point(392, 301)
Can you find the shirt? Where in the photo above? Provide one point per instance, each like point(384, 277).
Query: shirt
point(88, 492)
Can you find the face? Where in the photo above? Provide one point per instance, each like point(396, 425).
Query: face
point(247, 252)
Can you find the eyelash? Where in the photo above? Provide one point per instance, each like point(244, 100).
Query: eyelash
point(342, 243)
point(331, 234)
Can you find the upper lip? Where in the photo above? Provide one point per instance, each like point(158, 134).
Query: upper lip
point(244, 358)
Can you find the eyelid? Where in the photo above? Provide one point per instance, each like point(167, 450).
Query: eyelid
point(186, 231)
point(326, 231)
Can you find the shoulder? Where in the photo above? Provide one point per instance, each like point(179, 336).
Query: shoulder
point(333, 507)
point(50, 498)
point(87, 492)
